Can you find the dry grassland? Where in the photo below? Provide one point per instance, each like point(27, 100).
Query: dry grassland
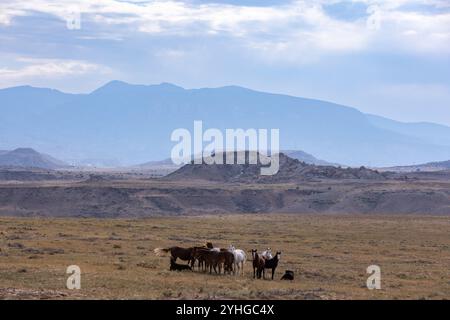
point(329, 255)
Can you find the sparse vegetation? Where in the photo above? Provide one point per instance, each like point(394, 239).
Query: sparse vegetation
point(329, 255)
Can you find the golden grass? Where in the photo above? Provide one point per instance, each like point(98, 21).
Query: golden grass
point(329, 255)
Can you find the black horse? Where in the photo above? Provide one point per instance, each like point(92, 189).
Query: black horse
point(178, 267)
point(288, 275)
point(272, 263)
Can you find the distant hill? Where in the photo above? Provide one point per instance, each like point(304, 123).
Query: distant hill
point(295, 154)
point(290, 170)
point(158, 168)
point(307, 158)
point(424, 131)
point(133, 124)
point(426, 167)
point(153, 164)
point(29, 158)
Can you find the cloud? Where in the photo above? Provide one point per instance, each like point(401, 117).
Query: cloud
point(297, 31)
point(31, 68)
point(417, 31)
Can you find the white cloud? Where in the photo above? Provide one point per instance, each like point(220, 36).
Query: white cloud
point(31, 68)
point(417, 31)
point(297, 31)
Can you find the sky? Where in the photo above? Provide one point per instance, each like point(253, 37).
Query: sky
point(390, 58)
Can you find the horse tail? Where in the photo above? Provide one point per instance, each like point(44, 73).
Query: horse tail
point(160, 252)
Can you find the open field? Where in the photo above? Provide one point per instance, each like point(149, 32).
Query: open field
point(329, 255)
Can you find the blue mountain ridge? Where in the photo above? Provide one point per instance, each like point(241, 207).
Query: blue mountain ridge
point(132, 124)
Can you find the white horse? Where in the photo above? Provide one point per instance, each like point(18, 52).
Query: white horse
point(239, 259)
point(267, 254)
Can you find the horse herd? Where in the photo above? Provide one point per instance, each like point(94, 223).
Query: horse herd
point(222, 260)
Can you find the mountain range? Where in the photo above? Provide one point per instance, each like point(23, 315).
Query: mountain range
point(131, 124)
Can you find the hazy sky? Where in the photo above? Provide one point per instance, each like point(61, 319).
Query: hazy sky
point(390, 58)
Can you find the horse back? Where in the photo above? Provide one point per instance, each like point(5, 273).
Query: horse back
point(182, 253)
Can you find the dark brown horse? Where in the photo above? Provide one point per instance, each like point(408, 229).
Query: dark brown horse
point(198, 256)
point(208, 258)
point(214, 260)
point(185, 254)
point(228, 261)
point(258, 264)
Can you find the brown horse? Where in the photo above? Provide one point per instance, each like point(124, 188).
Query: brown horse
point(208, 258)
point(185, 254)
point(214, 260)
point(198, 256)
point(228, 261)
point(258, 264)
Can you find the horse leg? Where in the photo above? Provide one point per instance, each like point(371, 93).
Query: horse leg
point(273, 271)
